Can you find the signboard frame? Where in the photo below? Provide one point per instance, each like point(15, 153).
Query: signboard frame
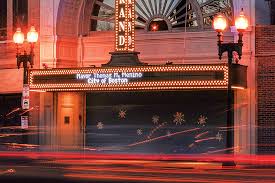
point(161, 77)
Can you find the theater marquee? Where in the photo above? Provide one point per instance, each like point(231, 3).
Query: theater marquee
point(163, 77)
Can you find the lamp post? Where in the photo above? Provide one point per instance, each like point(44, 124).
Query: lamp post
point(26, 60)
point(220, 24)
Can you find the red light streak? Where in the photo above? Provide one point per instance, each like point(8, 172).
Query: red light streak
point(206, 139)
point(220, 150)
point(253, 159)
point(138, 178)
point(201, 134)
point(173, 169)
point(164, 136)
point(26, 111)
point(14, 110)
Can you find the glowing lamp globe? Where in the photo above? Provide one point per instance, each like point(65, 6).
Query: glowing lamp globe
point(220, 23)
point(241, 22)
point(32, 35)
point(18, 36)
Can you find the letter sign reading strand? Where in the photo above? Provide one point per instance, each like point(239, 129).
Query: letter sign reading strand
point(125, 25)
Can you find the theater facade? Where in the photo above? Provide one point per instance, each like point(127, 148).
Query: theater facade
point(138, 77)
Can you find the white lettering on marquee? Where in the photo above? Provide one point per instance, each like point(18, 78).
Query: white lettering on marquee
point(121, 14)
point(121, 26)
point(109, 78)
point(83, 76)
point(121, 40)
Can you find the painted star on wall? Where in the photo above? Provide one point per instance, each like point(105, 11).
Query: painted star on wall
point(178, 118)
point(202, 120)
point(100, 125)
point(219, 136)
point(122, 114)
point(139, 131)
point(155, 119)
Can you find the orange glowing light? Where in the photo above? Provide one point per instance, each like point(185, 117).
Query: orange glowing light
point(32, 35)
point(154, 27)
point(18, 36)
point(241, 22)
point(220, 23)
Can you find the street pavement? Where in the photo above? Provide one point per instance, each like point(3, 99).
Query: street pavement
point(78, 170)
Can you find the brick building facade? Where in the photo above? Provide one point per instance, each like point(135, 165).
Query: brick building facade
point(265, 59)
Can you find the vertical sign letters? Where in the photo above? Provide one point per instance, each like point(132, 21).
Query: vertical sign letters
point(125, 25)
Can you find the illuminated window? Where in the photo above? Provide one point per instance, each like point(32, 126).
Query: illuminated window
point(20, 14)
point(167, 14)
point(3, 20)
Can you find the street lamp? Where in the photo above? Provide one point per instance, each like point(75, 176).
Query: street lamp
point(220, 24)
point(26, 59)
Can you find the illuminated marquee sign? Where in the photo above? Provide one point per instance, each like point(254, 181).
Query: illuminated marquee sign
point(137, 78)
point(125, 25)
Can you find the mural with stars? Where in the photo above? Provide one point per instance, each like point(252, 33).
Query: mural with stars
point(189, 122)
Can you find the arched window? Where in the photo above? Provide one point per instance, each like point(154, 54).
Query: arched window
point(163, 15)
